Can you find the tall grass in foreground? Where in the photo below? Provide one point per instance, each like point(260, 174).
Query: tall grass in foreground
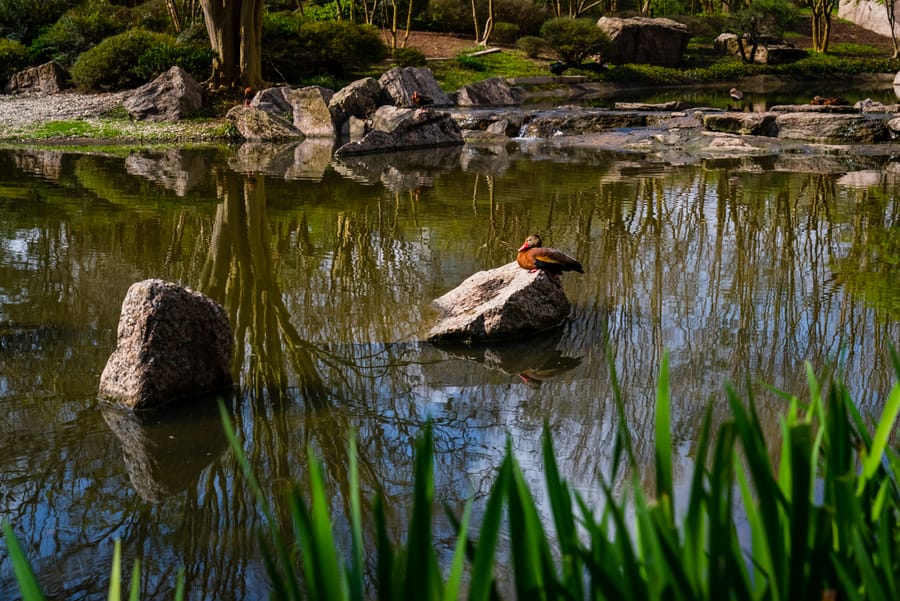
point(823, 520)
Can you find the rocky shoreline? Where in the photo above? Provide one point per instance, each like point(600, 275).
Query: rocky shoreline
point(663, 129)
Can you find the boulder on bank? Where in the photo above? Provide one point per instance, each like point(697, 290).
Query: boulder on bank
point(172, 343)
point(172, 96)
point(503, 303)
point(489, 92)
point(395, 128)
point(770, 52)
point(399, 83)
point(357, 99)
point(310, 110)
point(645, 40)
point(48, 78)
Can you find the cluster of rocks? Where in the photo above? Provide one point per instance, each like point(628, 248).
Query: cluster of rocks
point(395, 111)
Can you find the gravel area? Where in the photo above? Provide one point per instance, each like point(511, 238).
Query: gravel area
point(22, 116)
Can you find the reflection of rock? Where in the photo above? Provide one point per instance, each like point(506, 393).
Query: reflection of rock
point(165, 454)
point(292, 160)
point(173, 169)
point(311, 158)
point(171, 343)
point(399, 171)
point(534, 361)
point(45, 163)
point(485, 159)
point(503, 303)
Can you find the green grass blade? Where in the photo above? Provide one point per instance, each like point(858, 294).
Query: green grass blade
point(289, 578)
point(328, 571)
point(530, 548)
point(135, 588)
point(883, 431)
point(28, 584)
point(420, 552)
point(483, 564)
point(454, 578)
point(356, 575)
point(179, 585)
point(563, 520)
point(384, 563)
point(663, 427)
point(115, 576)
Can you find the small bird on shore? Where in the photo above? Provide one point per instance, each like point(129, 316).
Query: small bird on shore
point(736, 94)
point(421, 99)
point(830, 101)
point(248, 95)
point(534, 257)
point(558, 68)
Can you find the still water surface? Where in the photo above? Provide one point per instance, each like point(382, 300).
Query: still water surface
point(741, 269)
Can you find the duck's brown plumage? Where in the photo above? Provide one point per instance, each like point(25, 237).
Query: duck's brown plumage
point(532, 255)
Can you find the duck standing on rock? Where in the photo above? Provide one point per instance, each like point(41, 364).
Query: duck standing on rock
point(534, 257)
point(421, 99)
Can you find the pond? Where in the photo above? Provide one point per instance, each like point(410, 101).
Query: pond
point(741, 269)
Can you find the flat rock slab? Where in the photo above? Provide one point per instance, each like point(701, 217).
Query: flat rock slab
point(503, 303)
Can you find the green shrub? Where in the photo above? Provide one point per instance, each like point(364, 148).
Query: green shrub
point(760, 21)
point(531, 45)
point(295, 50)
point(408, 57)
point(504, 33)
point(12, 58)
point(195, 59)
point(341, 47)
point(77, 31)
point(573, 40)
point(115, 63)
point(22, 20)
point(449, 16)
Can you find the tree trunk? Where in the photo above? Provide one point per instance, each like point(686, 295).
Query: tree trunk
point(235, 35)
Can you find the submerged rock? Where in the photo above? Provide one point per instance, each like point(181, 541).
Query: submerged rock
point(503, 303)
point(172, 343)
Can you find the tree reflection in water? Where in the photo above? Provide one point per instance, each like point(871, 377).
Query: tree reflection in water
point(743, 269)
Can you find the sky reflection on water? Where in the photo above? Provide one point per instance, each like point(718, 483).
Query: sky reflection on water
point(740, 269)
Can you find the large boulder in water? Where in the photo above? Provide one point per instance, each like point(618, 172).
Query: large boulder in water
point(503, 303)
point(172, 343)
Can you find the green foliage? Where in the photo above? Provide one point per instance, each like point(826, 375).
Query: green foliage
point(135, 57)
point(761, 21)
point(471, 63)
point(193, 58)
point(78, 30)
point(821, 506)
point(573, 40)
point(450, 16)
point(22, 20)
point(531, 45)
point(466, 69)
point(504, 33)
point(12, 58)
point(295, 49)
point(408, 57)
